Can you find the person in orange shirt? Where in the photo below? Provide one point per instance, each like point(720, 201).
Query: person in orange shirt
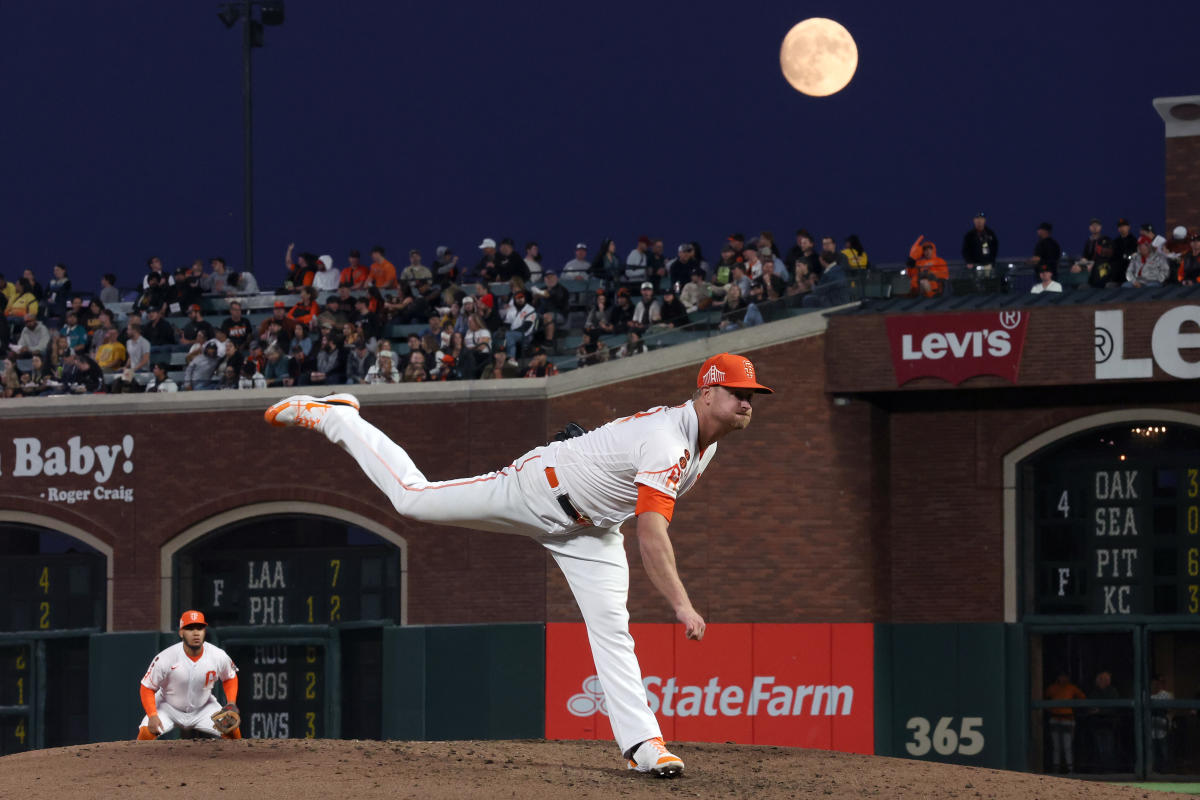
point(1062, 721)
point(356, 274)
point(383, 273)
point(302, 271)
point(926, 269)
point(307, 309)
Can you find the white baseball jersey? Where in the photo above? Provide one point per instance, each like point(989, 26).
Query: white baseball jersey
point(603, 469)
point(185, 684)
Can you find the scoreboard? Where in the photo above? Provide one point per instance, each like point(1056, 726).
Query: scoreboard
point(297, 586)
point(1116, 527)
point(52, 592)
point(281, 689)
point(16, 691)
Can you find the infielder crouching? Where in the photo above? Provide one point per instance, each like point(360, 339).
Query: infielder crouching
point(177, 689)
point(572, 496)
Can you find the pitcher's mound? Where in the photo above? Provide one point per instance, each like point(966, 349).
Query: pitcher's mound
point(298, 769)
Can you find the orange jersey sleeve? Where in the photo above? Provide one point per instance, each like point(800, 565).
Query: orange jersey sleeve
point(148, 703)
point(651, 499)
point(230, 686)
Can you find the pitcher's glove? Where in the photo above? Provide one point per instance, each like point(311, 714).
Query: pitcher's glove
point(227, 719)
point(569, 432)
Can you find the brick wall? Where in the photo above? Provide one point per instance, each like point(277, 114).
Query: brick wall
point(1183, 182)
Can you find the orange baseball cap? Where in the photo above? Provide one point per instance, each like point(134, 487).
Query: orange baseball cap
point(733, 371)
point(192, 618)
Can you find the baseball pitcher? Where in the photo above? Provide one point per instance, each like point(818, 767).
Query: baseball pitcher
point(177, 689)
point(572, 495)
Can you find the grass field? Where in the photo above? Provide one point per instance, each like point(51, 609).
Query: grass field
point(1179, 788)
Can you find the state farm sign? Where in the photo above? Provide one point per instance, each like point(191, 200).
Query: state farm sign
point(797, 685)
point(955, 347)
point(1177, 331)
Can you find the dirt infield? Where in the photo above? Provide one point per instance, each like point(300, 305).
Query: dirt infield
point(297, 769)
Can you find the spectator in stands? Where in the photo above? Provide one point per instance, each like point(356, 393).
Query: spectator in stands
point(522, 320)
point(354, 275)
point(1148, 267)
point(276, 336)
point(1124, 246)
point(300, 338)
point(533, 261)
point(1047, 251)
point(445, 266)
point(24, 303)
point(637, 263)
point(697, 292)
point(766, 241)
point(606, 265)
point(540, 366)
point(236, 326)
point(591, 350)
point(477, 346)
point(1104, 270)
point(648, 311)
point(927, 271)
point(217, 281)
point(829, 245)
point(415, 372)
point(832, 288)
point(679, 271)
point(250, 377)
point(773, 284)
point(554, 303)
point(276, 369)
point(446, 362)
point(578, 267)
point(856, 256)
point(197, 330)
point(242, 283)
point(332, 315)
point(57, 352)
point(656, 260)
point(75, 333)
point(8, 291)
point(34, 286)
point(1062, 721)
point(307, 308)
point(181, 294)
point(1088, 252)
point(98, 324)
point(750, 261)
point(330, 365)
point(485, 270)
point(35, 338)
point(980, 245)
point(81, 374)
point(509, 265)
point(632, 346)
point(154, 266)
point(137, 348)
point(1046, 282)
point(415, 271)
point(201, 371)
point(57, 292)
point(359, 362)
point(154, 295)
point(229, 378)
point(109, 292)
point(1189, 265)
point(674, 315)
point(740, 278)
point(738, 242)
point(301, 271)
point(37, 380)
point(160, 381)
point(733, 309)
point(622, 312)
point(404, 308)
point(501, 367)
point(10, 379)
point(157, 330)
point(804, 251)
point(327, 277)
point(599, 318)
point(383, 272)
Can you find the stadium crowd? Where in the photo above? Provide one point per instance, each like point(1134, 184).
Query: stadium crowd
point(498, 314)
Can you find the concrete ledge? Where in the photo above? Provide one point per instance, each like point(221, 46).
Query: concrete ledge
point(1181, 115)
point(580, 380)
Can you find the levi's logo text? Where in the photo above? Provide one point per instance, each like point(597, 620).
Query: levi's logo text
point(955, 347)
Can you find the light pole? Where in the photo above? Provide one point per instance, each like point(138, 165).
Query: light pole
point(270, 12)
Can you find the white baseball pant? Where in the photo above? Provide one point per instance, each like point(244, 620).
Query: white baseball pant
point(201, 720)
point(518, 499)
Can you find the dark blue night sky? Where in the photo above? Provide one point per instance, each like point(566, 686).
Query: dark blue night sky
point(414, 125)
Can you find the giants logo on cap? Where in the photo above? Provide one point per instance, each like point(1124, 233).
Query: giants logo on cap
point(713, 376)
point(191, 618)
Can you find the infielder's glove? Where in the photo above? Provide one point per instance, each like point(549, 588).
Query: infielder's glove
point(227, 719)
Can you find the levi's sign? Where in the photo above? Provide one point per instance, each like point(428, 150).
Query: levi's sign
point(1177, 331)
point(955, 347)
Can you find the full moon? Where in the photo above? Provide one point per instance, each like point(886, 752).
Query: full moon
point(818, 57)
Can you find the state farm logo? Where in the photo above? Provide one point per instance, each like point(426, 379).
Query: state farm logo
point(712, 699)
point(957, 346)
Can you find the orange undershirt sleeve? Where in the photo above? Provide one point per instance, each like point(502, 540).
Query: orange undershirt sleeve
point(148, 703)
point(230, 687)
point(651, 499)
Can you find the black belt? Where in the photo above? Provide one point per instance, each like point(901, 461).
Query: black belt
point(564, 500)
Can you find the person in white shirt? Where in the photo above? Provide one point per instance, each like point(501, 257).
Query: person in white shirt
point(572, 495)
point(521, 318)
point(636, 263)
point(327, 278)
point(1047, 284)
point(578, 268)
point(533, 260)
point(177, 689)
